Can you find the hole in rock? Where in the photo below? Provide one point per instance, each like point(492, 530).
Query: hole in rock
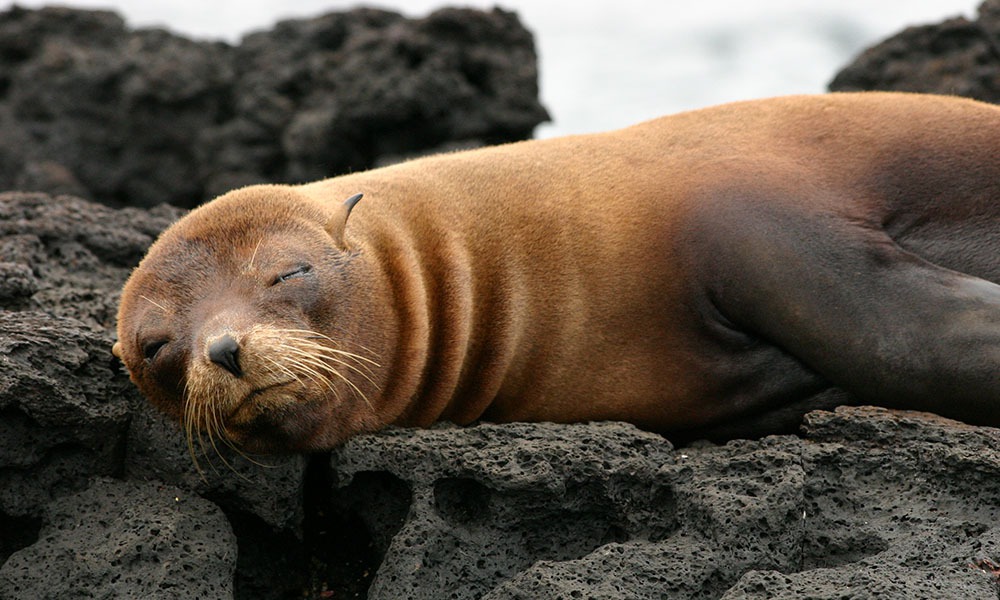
point(462, 501)
point(348, 530)
point(18, 532)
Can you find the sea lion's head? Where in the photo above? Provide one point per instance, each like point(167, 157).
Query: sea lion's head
point(237, 323)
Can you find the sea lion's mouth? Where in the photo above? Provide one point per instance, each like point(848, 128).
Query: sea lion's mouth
point(254, 393)
point(247, 403)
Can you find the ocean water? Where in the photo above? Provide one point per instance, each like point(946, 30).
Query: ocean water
point(608, 64)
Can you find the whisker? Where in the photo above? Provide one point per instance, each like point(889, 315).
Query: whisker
point(310, 334)
point(189, 426)
point(314, 354)
point(307, 368)
point(156, 304)
point(212, 424)
point(254, 255)
point(335, 355)
point(199, 427)
point(314, 361)
point(367, 374)
point(285, 370)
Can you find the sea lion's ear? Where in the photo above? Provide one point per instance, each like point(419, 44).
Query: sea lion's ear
point(335, 226)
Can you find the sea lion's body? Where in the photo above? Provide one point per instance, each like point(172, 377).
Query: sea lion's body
point(739, 264)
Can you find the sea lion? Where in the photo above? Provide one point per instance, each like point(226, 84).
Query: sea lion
point(736, 265)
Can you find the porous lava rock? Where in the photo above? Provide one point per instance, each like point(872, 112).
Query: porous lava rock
point(126, 539)
point(866, 503)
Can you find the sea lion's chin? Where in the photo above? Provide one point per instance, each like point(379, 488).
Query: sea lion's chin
point(279, 422)
point(267, 432)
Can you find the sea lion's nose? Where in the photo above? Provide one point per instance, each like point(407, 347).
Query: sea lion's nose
point(225, 352)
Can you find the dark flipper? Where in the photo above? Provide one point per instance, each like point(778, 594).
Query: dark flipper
point(839, 294)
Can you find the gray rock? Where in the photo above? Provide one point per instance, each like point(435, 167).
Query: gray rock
point(126, 540)
point(871, 502)
point(674, 568)
point(63, 414)
point(17, 283)
point(143, 117)
point(866, 583)
point(268, 487)
point(465, 509)
point(958, 56)
point(69, 257)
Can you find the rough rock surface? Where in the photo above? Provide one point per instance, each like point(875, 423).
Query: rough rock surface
point(126, 540)
point(140, 117)
point(958, 56)
point(867, 502)
point(99, 496)
point(62, 413)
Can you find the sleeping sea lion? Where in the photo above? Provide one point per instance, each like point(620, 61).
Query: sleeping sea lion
point(716, 272)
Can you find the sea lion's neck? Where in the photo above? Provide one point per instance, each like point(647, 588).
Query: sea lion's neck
point(456, 326)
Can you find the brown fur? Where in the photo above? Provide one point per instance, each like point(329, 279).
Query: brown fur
point(572, 279)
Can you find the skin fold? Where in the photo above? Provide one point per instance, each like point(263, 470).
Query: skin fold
point(722, 270)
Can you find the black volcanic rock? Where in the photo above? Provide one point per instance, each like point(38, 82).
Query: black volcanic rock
point(140, 117)
point(99, 495)
point(69, 257)
point(868, 502)
point(62, 413)
point(466, 509)
point(957, 56)
point(126, 540)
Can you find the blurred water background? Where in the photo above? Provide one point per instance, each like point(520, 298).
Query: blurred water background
point(606, 64)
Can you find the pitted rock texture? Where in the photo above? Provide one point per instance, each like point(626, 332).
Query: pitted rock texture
point(958, 56)
point(140, 117)
point(486, 502)
point(126, 540)
point(869, 503)
point(267, 487)
point(68, 257)
point(62, 413)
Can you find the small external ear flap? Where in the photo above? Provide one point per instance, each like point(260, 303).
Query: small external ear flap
point(117, 350)
point(335, 226)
